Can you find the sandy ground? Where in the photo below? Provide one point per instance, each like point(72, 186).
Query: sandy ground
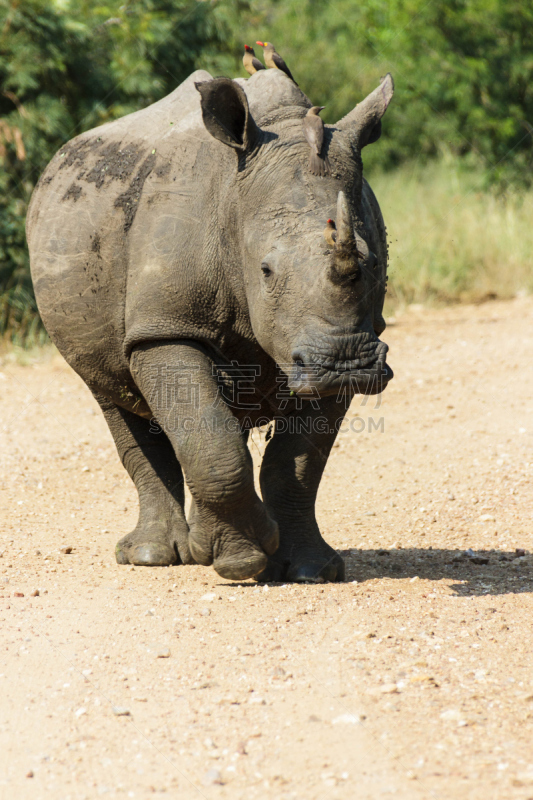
point(413, 679)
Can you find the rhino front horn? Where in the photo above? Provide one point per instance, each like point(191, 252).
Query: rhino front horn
point(346, 254)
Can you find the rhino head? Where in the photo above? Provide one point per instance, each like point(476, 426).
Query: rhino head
point(314, 308)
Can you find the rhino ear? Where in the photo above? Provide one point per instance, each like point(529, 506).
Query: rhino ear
point(226, 114)
point(363, 123)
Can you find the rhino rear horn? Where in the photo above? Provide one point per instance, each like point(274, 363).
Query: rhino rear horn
point(363, 123)
point(226, 113)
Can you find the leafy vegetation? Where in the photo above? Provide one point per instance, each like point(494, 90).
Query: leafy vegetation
point(463, 71)
point(68, 66)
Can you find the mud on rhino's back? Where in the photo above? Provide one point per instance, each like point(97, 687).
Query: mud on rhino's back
point(82, 211)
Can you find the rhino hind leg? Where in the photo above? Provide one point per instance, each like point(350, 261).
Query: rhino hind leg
point(160, 537)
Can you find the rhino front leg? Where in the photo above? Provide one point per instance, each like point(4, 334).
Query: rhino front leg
point(160, 537)
point(292, 468)
point(230, 527)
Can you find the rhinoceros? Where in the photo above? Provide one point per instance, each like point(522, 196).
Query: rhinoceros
point(180, 267)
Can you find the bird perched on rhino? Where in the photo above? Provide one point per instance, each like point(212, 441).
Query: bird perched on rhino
point(330, 232)
point(274, 60)
point(251, 63)
point(314, 133)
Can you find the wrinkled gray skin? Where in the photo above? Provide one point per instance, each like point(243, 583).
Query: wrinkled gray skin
point(173, 244)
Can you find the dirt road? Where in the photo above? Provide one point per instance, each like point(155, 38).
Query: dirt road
point(413, 679)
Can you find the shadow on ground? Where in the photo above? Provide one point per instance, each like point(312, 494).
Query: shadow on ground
point(476, 572)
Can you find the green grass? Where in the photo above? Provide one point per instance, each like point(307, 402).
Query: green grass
point(449, 240)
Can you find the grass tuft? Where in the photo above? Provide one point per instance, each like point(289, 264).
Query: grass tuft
point(451, 241)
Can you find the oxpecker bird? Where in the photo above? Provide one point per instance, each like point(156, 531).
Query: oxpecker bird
point(274, 60)
point(314, 133)
point(251, 63)
point(330, 232)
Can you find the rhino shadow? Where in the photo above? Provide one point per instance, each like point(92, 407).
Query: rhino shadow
point(483, 572)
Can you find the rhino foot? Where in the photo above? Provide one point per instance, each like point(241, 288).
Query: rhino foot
point(234, 560)
point(304, 567)
point(150, 546)
point(233, 555)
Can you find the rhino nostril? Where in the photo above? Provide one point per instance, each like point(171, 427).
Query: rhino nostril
point(299, 365)
point(298, 358)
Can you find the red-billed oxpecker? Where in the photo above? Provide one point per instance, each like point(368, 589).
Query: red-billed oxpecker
point(251, 63)
point(330, 232)
point(314, 133)
point(274, 60)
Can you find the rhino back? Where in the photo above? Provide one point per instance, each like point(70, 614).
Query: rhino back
point(93, 222)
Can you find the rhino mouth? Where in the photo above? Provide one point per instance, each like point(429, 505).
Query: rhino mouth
point(319, 372)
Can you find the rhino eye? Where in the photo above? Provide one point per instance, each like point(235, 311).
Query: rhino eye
point(265, 268)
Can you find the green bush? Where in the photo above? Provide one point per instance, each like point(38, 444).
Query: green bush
point(66, 67)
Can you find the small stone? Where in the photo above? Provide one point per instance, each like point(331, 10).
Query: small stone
point(479, 559)
point(19, 594)
point(370, 514)
point(257, 699)
point(523, 779)
point(121, 711)
point(314, 718)
point(389, 688)
point(29, 774)
point(38, 553)
point(149, 613)
point(212, 777)
point(209, 597)
point(346, 719)
point(452, 715)
point(487, 518)
point(66, 550)
point(329, 778)
point(141, 699)
point(422, 679)
point(164, 652)
point(415, 578)
point(205, 612)
point(35, 593)
point(80, 712)
point(520, 552)
point(227, 701)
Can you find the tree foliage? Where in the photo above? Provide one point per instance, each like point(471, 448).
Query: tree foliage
point(463, 71)
point(68, 66)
